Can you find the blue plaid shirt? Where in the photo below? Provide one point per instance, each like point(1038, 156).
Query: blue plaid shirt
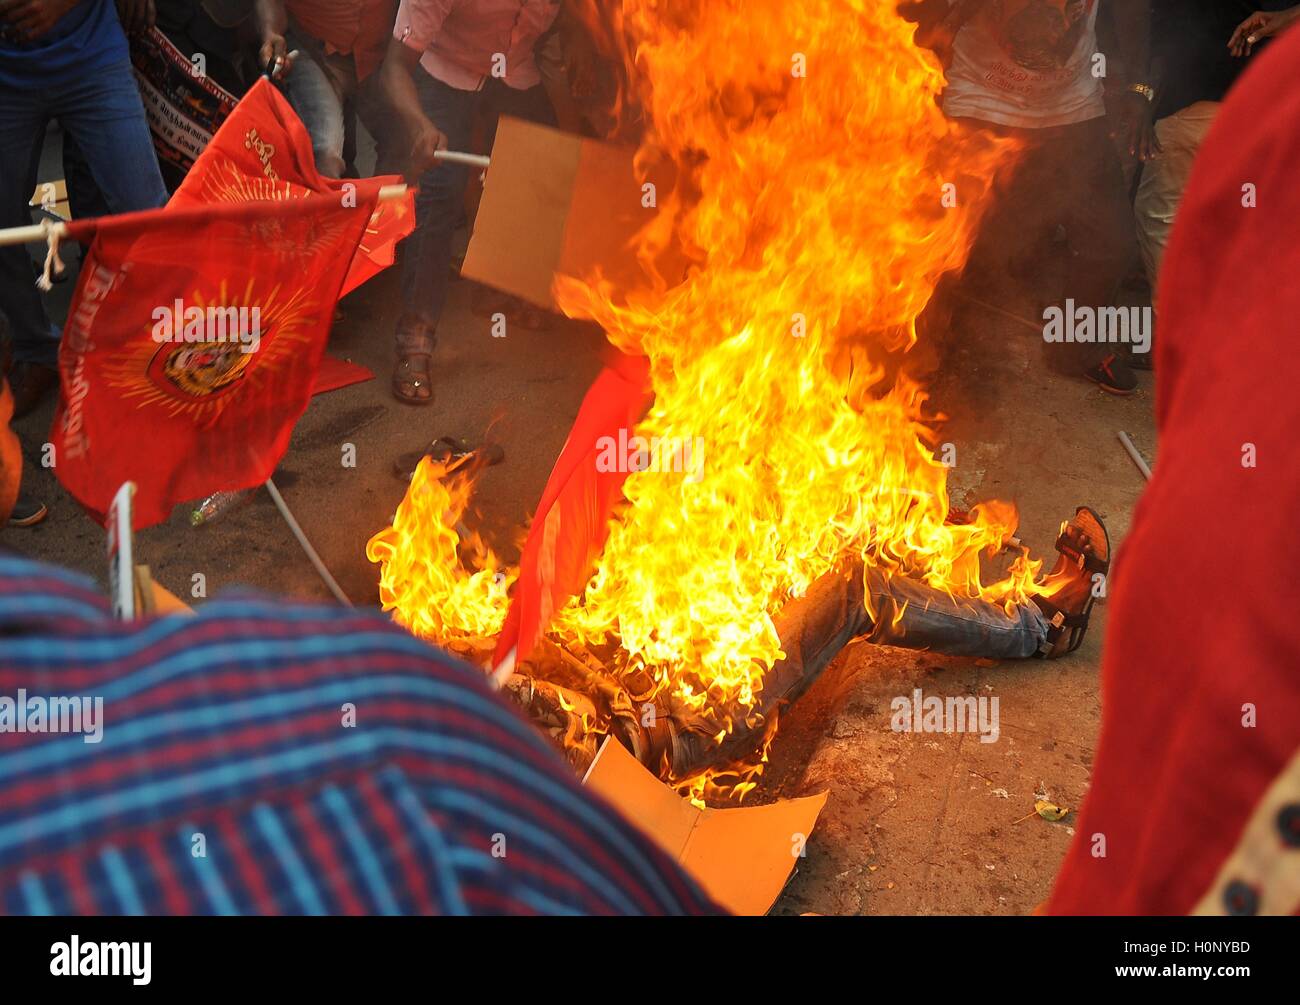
point(273, 758)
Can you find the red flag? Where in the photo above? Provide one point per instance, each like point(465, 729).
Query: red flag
point(572, 519)
point(263, 151)
point(192, 345)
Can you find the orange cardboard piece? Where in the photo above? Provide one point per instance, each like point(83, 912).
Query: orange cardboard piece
point(558, 204)
point(742, 857)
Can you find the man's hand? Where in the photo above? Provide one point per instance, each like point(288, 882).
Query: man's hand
point(270, 21)
point(400, 65)
point(31, 19)
point(425, 141)
point(274, 56)
point(1136, 131)
point(136, 15)
point(1259, 25)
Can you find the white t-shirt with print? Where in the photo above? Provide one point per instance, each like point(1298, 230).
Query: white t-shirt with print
point(1014, 65)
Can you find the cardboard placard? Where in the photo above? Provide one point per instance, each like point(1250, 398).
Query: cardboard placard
point(742, 857)
point(558, 204)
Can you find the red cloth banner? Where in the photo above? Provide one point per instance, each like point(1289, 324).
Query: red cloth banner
point(263, 152)
point(572, 519)
point(193, 343)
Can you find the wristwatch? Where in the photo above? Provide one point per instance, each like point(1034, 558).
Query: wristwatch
point(1143, 89)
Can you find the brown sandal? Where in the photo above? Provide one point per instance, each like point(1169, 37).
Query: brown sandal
point(413, 379)
point(1084, 546)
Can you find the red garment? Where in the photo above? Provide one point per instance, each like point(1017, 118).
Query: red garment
point(1204, 594)
point(263, 151)
point(184, 418)
point(253, 226)
point(361, 28)
point(463, 41)
point(572, 518)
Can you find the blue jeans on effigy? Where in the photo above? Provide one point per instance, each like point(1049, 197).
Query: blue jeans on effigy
point(853, 603)
point(102, 112)
point(912, 615)
point(438, 206)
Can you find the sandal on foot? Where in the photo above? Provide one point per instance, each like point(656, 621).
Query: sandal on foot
point(1084, 546)
point(413, 379)
point(27, 512)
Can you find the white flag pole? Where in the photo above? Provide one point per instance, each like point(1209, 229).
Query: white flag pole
point(44, 230)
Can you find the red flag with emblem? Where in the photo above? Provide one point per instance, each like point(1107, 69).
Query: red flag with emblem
point(262, 151)
point(195, 335)
point(192, 345)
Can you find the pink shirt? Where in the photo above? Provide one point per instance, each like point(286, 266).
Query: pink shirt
point(466, 41)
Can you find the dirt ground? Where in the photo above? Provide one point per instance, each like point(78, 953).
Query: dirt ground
point(935, 823)
point(915, 823)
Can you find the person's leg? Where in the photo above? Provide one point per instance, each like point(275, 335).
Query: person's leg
point(1165, 176)
point(374, 113)
point(23, 119)
point(859, 602)
point(1103, 241)
point(912, 615)
point(426, 253)
point(1099, 218)
point(84, 198)
point(313, 89)
point(103, 114)
point(1020, 213)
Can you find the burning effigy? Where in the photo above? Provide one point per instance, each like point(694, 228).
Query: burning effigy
point(822, 194)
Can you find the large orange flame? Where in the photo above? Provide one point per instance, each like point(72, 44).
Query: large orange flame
point(821, 195)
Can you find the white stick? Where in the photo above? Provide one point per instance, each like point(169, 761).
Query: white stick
point(283, 507)
point(37, 231)
point(456, 157)
point(1133, 453)
point(30, 235)
point(502, 671)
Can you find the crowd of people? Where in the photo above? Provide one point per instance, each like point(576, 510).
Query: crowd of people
point(424, 75)
point(1106, 162)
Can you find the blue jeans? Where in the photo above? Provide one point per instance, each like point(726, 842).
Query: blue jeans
point(324, 91)
point(912, 615)
point(102, 113)
point(903, 612)
point(318, 87)
point(426, 252)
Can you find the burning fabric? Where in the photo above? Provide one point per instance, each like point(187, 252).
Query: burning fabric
point(820, 196)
